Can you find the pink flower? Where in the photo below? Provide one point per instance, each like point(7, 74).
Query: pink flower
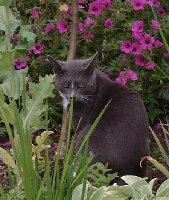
point(20, 63)
point(89, 35)
point(166, 55)
point(153, 3)
point(121, 80)
point(109, 73)
point(7, 144)
point(149, 65)
point(158, 44)
point(35, 13)
point(132, 75)
point(38, 48)
point(137, 35)
point(108, 23)
point(161, 12)
point(62, 26)
point(155, 25)
point(126, 46)
point(136, 49)
point(106, 3)
point(95, 8)
point(124, 76)
point(138, 4)
point(139, 60)
point(82, 1)
point(89, 21)
point(81, 27)
point(49, 27)
point(147, 42)
point(137, 26)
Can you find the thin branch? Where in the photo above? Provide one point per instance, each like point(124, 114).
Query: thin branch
point(74, 32)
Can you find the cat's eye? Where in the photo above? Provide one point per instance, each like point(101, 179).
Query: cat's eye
point(65, 85)
point(80, 85)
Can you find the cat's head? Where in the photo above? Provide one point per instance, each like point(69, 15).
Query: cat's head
point(75, 78)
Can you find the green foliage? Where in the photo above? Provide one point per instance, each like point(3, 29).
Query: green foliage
point(99, 175)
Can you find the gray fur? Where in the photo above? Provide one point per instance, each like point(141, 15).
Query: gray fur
point(121, 137)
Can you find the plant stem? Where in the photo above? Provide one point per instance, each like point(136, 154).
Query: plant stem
point(74, 32)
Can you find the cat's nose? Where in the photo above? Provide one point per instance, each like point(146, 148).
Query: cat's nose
point(72, 98)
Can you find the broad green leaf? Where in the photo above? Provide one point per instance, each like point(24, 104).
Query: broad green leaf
point(34, 105)
point(99, 194)
point(129, 179)
point(27, 38)
point(77, 192)
point(125, 190)
point(163, 190)
point(6, 63)
point(13, 84)
point(8, 26)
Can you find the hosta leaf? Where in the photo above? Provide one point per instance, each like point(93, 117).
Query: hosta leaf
point(98, 194)
point(34, 105)
point(163, 190)
point(13, 22)
point(125, 190)
point(77, 192)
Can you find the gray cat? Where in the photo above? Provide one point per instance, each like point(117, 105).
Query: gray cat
point(121, 137)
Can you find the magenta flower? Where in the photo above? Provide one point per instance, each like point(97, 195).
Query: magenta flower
point(38, 48)
point(158, 44)
point(62, 26)
point(81, 1)
point(131, 75)
point(150, 65)
point(138, 4)
point(49, 27)
point(81, 27)
point(106, 3)
point(137, 35)
point(137, 26)
point(139, 60)
point(121, 80)
point(136, 49)
point(89, 35)
point(95, 8)
point(155, 25)
point(166, 55)
point(108, 23)
point(126, 46)
point(161, 12)
point(147, 42)
point(20, 63)
point(153, 3)
point(7, 144)
point(89, 21)
point(35, 13)
point(124, 76)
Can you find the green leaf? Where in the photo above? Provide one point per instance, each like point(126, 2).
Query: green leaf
point(34, 106)
point(27, 38)
point(163, 190)
point(10, 26)
point(6, 63)
point(98, 194)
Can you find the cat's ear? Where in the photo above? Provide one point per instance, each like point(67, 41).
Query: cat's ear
point(90, 64)
point(56, 64)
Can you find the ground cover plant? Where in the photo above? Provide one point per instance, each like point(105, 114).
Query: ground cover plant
point(132, 40)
